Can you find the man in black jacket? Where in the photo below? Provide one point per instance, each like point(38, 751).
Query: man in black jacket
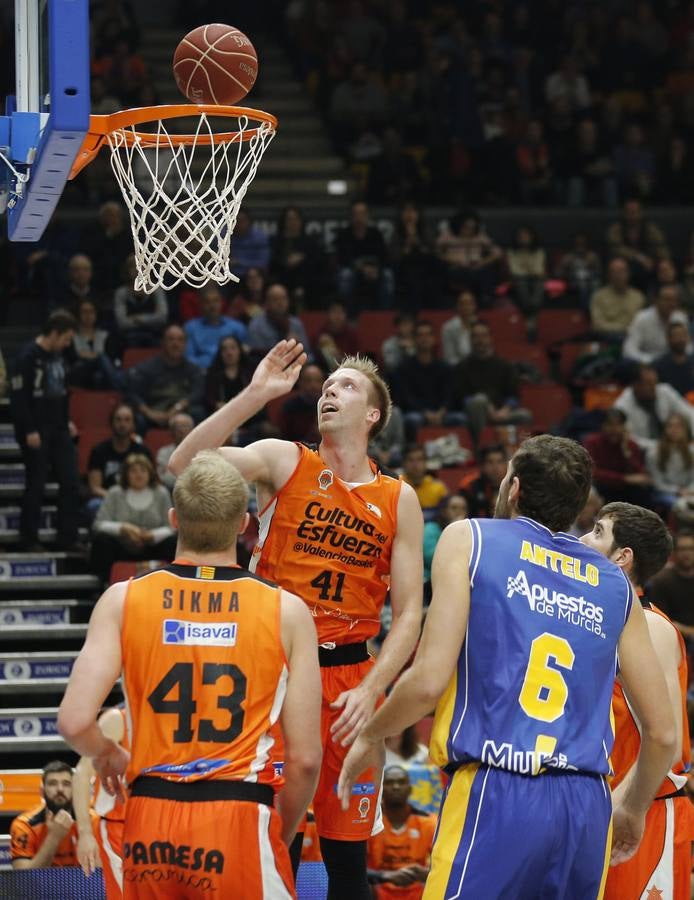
point(39, 405)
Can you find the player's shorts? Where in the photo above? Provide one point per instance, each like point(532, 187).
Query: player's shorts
point(197, 846)
point(109, 837)
point(363, 818)
point(504, 835)
point(662, 865)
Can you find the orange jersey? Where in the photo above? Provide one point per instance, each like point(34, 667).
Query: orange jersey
point(204, 674)
point(396, 848)
point(331, 544)
point(28, 832)
point(106, 806)
point(628, 737)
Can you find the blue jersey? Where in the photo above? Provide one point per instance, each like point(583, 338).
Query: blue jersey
point(532, 688)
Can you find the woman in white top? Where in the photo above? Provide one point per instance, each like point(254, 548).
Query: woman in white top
point(132, 522)
point(670, 463)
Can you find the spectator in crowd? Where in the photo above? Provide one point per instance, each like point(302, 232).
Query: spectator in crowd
point(635, 164)
point(421, 384)
point(481, 493)
point(672, 589)
point(388, 445)
point(393, 173)
point(298, 418)
point(140, 317)
point(568, 84)
point(647, 335)
point(357, 103)
point(92, 367)
point(581, 269)
point(166, 384)
point(527, 265)
point(44, 432)
point(486, 386)
point(362, 260)
point(399, 856)
point(250, 246)
point(676, 367)
point(535, 166)
point(180, 425)
point(670, 464)
point(453, 510)
point(109, 242)
point(586, 518)
point(469, 254)
point(455, 332)
point(132, 522)
point(46, 835)
point(275, 323)
point(336, 327)
point(675, 178)
point(638, 241)
point(666, 276)
point(405, 749)
point(620, 469)
point(430, 491)
point(106, 458)
point(204, 333)
point(613, 306)
point(591, 172)
point(79, 286)
point(399, 346)
point(247, 302)
point(3, 375)
point(296, 259)
point(123, 71)
point(648, 404)
point(417, 270)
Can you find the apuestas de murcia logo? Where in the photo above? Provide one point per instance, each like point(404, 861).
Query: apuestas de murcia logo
point(556, 605)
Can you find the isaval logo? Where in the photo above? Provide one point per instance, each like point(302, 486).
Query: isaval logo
point(200, 634)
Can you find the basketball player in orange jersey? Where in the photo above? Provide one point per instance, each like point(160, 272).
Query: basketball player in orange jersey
point(102, 840)
point(215, 661)
point(637, 540)
point(339, 533)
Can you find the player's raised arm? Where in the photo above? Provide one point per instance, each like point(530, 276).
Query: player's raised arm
point(300, 717)
point(644, 683)
point(275, 375)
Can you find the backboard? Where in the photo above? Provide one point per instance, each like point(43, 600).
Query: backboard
point(48, 117)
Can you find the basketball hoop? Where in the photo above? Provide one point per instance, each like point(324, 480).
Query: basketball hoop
point(183, 191)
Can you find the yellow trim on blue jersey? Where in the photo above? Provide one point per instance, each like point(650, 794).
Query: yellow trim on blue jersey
point(450, 831)
point(443, 720)
point(606, 864)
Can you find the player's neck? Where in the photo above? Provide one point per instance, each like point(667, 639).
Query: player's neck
point(227, 558)
point(348, 461)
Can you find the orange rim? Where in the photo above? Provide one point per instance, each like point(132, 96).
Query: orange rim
point(102, 126)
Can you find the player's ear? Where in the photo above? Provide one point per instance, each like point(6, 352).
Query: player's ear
point(373, 415)
point(514, 490)
point(244, 523)
point(173, 518)
point(624, 558)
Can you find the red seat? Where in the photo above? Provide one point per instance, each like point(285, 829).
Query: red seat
point(373, 327)
point(518, 351)
point(92, 408)
point(560, 325)
point(505, 324)
point(437, 317)
point(89, 437)
point(133, 356)
point(549, 404)
point(156, 438)
point(452, 476)
point(431, 432)
point(313, 321)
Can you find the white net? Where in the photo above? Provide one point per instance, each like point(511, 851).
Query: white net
point(183, 199)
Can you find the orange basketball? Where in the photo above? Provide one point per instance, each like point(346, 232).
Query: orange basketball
point(215, 64)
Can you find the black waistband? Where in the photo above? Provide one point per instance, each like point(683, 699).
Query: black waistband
point(343, 655)
point(680, 793)
point(202, 790)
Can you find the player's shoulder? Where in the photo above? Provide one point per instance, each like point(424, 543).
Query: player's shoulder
point(32, 818)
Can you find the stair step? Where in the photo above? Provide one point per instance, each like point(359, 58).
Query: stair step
point(46, 535)
point(49, 582)
point(44, 613)
point(57, 632)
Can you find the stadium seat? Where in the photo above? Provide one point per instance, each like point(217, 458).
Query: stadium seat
point(90, 409)
point(519, 351)
point(156, 438)
point(601, 396)
point(549, 404)
point(452, 476)
point(88, 438)
point(373, 327)
point(437, 317)
point(312, 320)
point(506, 325)
point(431, 432)
point(554, 325)
point(133, 356)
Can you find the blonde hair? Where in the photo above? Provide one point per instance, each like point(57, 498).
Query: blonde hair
point(211, 499)
point(379, 393)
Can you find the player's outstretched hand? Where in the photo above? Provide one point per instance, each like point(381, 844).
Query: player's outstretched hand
point(362, 755)
point(110, 767)
point(357, 707)
point(277, 372)
point(627, 831)
point(88, 852)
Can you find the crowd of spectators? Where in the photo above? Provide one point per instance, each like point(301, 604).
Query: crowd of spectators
point(504, 102)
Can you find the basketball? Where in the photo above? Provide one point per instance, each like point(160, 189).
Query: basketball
point(215, 64)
